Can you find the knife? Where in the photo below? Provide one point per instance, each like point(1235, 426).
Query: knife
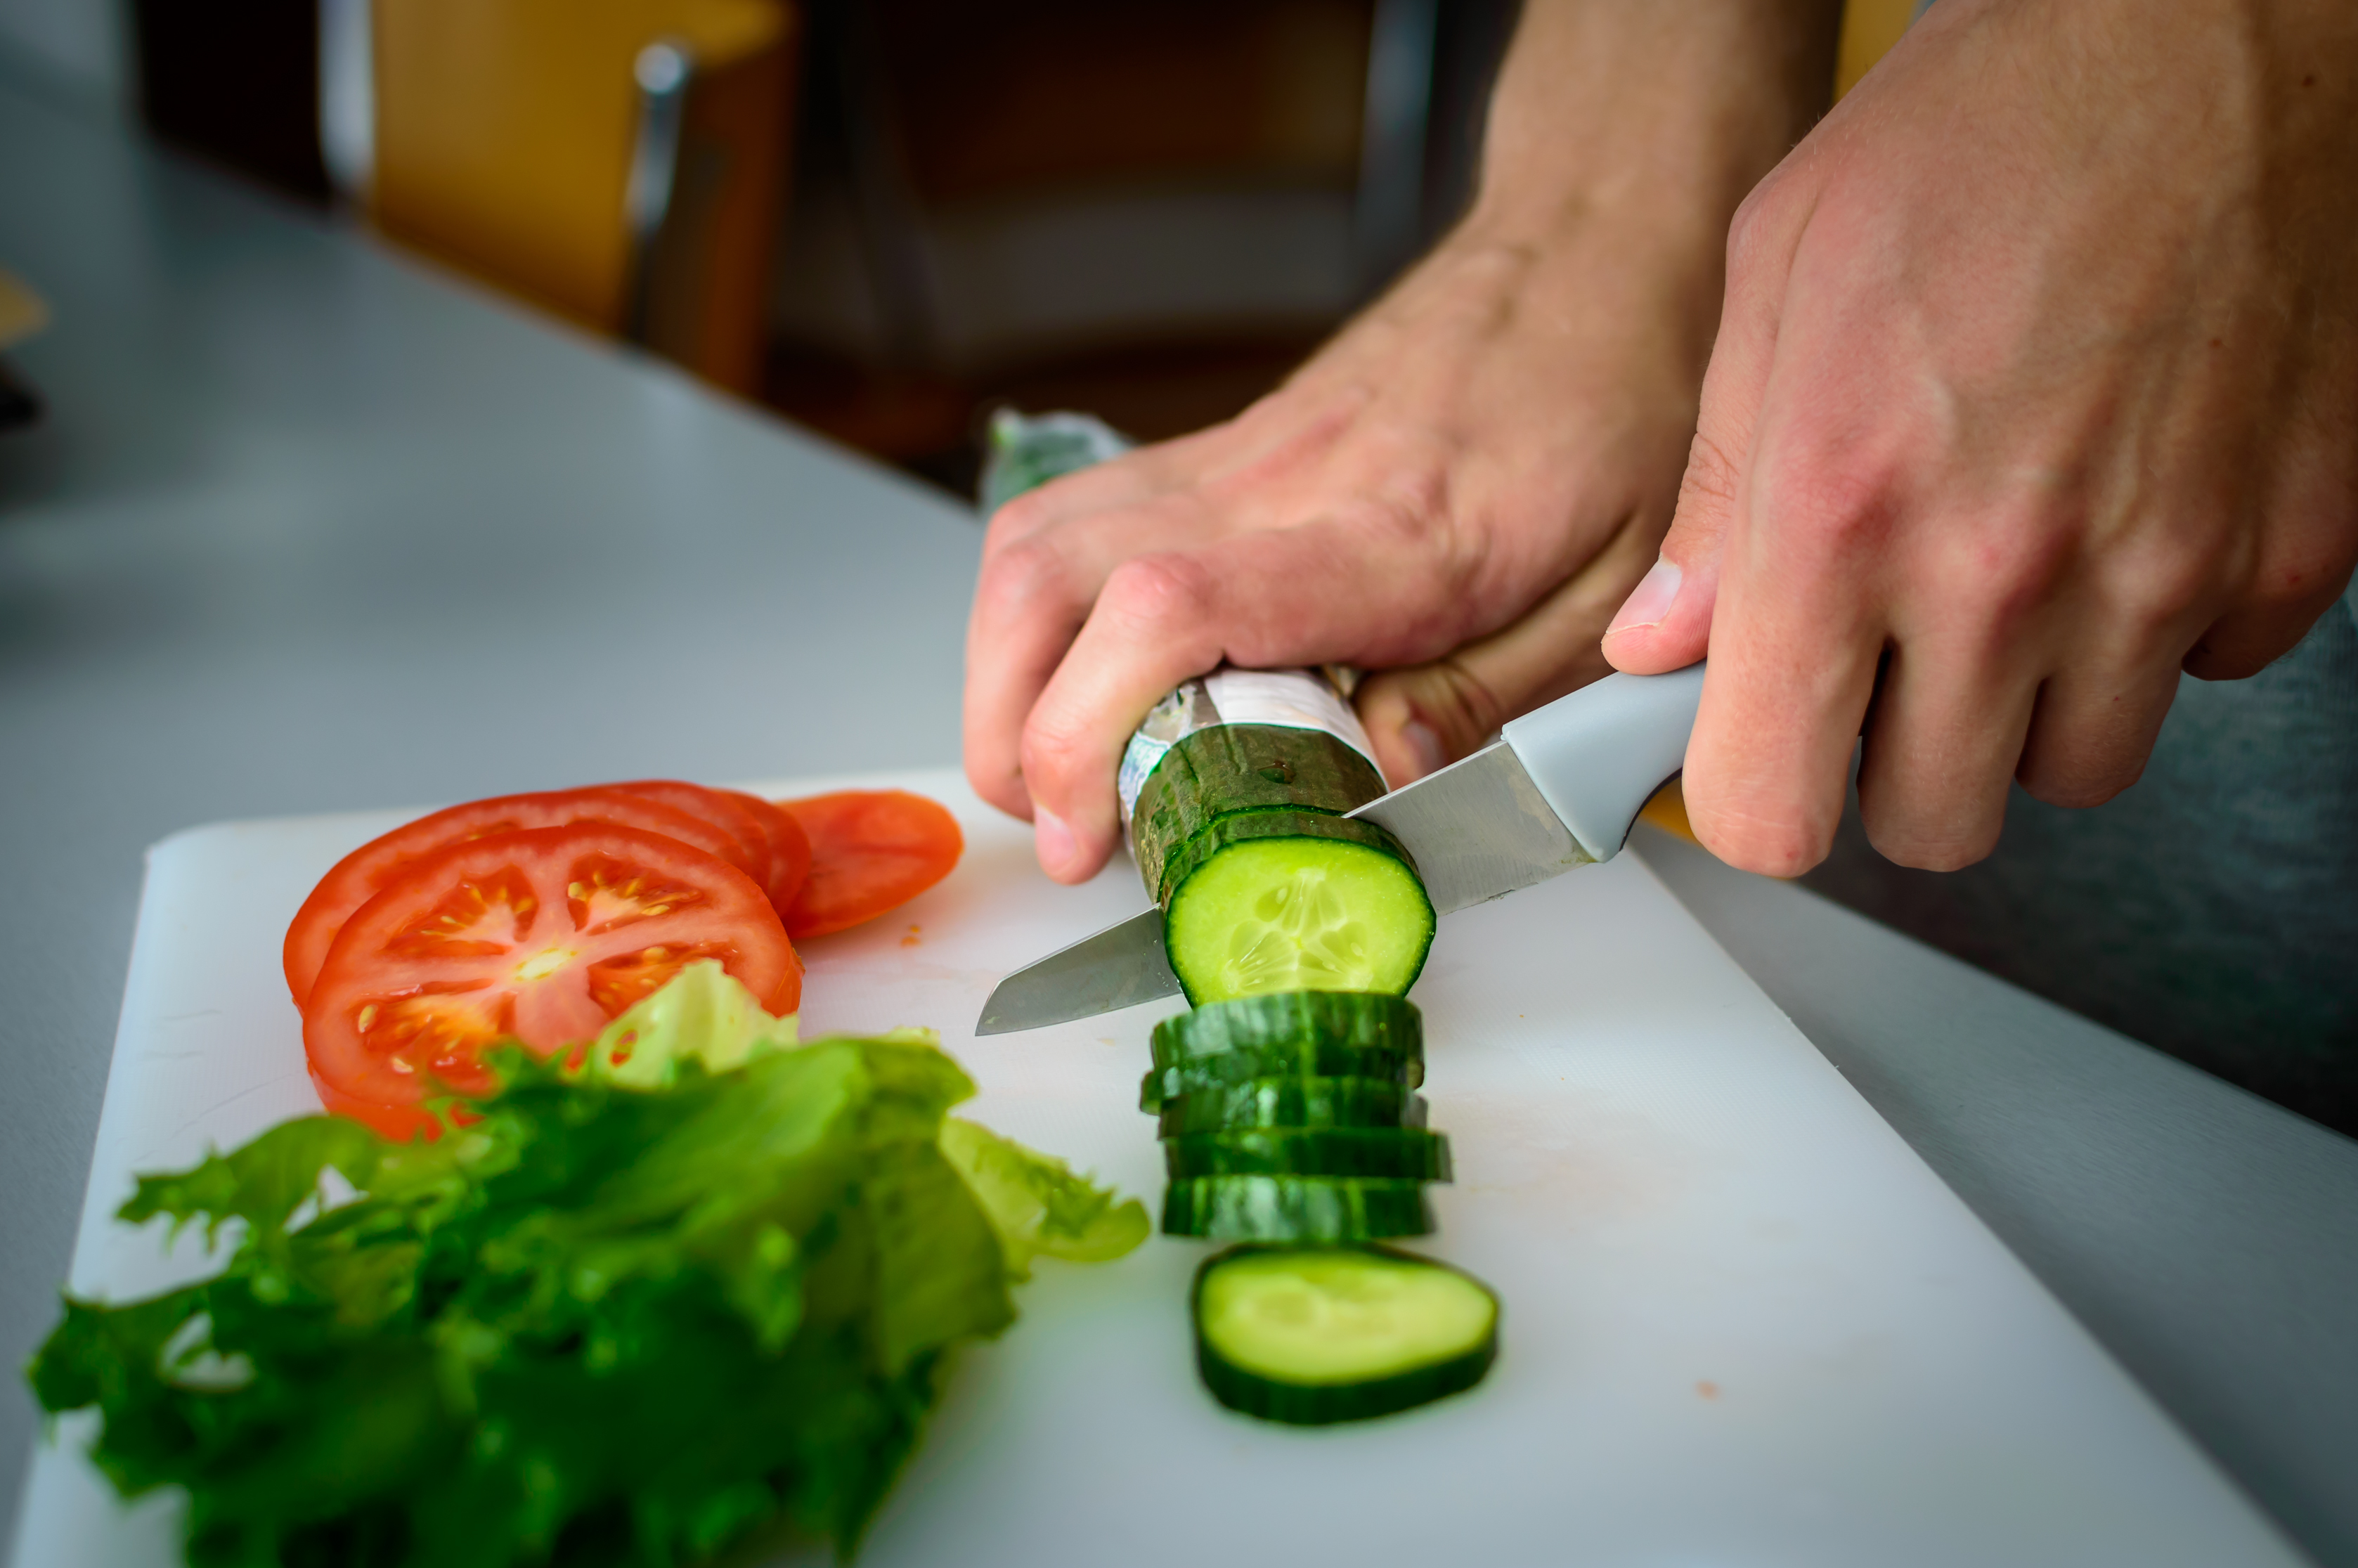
point(1560, 788)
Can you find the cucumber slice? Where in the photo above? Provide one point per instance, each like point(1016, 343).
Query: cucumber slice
point(1291, 1019)
point(1340, 1334)
point(1291, 1102)
point(1405, 1152)
point(1264, 904)
point(1265, 884)
point(1295, 1208)
point(1163, 1084)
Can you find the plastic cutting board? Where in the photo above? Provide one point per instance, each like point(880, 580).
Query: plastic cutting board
point(1743, 1324)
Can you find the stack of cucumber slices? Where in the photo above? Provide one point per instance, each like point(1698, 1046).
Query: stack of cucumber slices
point(1289, 1123)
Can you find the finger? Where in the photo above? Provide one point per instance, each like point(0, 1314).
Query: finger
point(1030, 600)
point(1424, 717)
point(2093, 728)
point(1166, 617)
point(1666, 622)
point(1046, 561)
point(1942, 742)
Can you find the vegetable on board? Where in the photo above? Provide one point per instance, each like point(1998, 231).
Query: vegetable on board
point(789, 845)
point(692, 1282)
point(871, 850)
point(540, 938)
point(1312, 1337)
point(1238, 824)
point(363, 874)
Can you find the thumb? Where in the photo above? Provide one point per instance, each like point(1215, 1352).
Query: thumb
point(1665, 624)
point(1422, 717)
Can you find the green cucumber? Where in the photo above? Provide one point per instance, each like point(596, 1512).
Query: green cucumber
point(1312, 1337)
point(1291, 1019)
point(1264, 883)
point(1163, 1084)
point(1293, 1102)
point(1404, 1151)
point(1295, 1208)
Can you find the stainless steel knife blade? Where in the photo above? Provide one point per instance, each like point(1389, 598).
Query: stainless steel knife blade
point(1122, 966)
point(1477, 830)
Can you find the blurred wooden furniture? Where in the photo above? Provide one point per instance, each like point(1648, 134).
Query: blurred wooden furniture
point(620, 162)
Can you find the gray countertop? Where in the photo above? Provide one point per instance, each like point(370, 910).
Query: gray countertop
point(311, 527)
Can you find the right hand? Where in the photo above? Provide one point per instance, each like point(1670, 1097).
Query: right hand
point(1456, 493)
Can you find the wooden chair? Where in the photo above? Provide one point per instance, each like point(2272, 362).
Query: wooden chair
point(619, 162)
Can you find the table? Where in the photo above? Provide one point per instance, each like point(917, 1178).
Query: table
point(313, 527)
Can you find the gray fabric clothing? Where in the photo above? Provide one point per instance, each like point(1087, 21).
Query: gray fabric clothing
point(2211, 910)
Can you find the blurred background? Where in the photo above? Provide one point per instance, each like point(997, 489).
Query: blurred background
point(881, 218)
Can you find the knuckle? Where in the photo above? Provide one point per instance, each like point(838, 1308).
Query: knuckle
point(1828, 505)
point(1149, 594)
point(1016, 519)
point(1025, 573)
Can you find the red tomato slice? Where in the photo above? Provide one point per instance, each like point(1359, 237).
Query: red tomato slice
point(871, 850)
point(719, 807)
point(360, 875)
point(790, 851)
point(542, 936)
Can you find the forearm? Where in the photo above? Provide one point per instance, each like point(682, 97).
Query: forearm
point(1639, 114)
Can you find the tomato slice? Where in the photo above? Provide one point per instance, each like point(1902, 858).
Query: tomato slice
point(717, 807)
point(360, 875)
point(871, 850)
point(540, 935)
point(790, 850)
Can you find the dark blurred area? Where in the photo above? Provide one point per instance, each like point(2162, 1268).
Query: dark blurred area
point(882, 218)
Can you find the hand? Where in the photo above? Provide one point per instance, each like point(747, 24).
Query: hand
point(1474, 472)
point(2038, 379)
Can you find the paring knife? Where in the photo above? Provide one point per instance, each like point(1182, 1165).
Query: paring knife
point(1559, 789)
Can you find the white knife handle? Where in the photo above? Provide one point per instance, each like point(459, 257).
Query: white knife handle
point(1597, 754)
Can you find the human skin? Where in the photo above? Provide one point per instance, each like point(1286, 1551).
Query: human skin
point(1456, 492)
point(2037, 382)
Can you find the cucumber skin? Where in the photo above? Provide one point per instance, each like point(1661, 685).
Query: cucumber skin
point(1327, 1404)
point(1161, 1083)
point(1233, 827)
point(1291, 1102)
point(1228, 768)
point(1397, 1152)
point(1360, 1020)
point(1295, 1208)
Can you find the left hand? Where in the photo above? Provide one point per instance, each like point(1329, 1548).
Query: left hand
point(2036, 380)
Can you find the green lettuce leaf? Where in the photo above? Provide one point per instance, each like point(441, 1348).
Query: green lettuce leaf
point(1037, 1205)
point(700, 1283)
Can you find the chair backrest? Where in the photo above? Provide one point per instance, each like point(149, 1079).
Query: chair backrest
point(504, 131)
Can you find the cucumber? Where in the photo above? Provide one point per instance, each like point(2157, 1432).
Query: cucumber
point(1410, 1153)
point(1163, 1084)
point(1291, 1102)
point(1291, 1019)
point(1295, 1208)
point(1265, 885)
point(1338, 1333)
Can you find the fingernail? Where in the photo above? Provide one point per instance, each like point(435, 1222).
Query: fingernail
point(1650, 601)
point(1424, 746)
point(1051, 839)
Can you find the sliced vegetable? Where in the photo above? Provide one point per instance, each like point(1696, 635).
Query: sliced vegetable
point(871, 850)
point(724, 810)
point(363, 874)
point(1405, 1152)
point(789, 845)
point(1287, 900)
point(612, 1323)
point(1291, 1102)
point(1219, 1072)
point(1276, 1026)
point(541, 936)
point(1339, 1333)
point(1295, 1208)
point(1265, 885)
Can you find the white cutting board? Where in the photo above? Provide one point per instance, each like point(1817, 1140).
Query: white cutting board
point(1744, 1325)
